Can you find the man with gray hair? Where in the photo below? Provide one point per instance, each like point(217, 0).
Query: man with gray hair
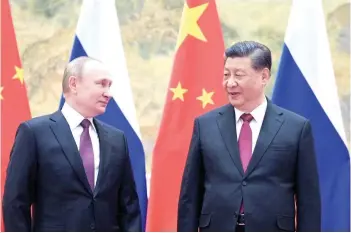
point(250, 160)
point(71, 170)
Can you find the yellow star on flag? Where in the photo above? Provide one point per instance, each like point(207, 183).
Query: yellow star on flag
point(178, 92)
point(1, 88)
point(188, 25)
point(206, 98)
point(19, 74)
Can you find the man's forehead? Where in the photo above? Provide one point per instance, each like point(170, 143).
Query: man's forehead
point(237, 62)
point(95, 67)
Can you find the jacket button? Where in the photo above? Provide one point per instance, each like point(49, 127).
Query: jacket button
point(244, 183)
point(92, 226)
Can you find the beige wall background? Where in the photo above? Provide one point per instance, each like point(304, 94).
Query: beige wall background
point(45, 31)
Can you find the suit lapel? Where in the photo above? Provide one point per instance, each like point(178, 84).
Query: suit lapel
point(227, 127)
point(105, 154)
point(63, 134)
point(271, 124)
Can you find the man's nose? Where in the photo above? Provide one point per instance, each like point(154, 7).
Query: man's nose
point(107, 93)
point(231, 83)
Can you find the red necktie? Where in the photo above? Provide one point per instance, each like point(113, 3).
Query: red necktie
point(245, 144)
point(245, 140)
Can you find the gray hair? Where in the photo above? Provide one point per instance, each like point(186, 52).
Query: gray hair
point(74, 68)
point(260, 54)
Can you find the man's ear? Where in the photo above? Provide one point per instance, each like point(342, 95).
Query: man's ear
point(72, 83)
point(266, 75)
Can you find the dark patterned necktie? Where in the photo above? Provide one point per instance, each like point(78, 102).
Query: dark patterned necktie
point(87, 153)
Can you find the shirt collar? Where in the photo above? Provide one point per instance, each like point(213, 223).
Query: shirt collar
point(73, 117)
point(258, 113)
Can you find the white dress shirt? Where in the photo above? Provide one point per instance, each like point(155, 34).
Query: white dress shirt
point(256, 123)
point(74, 119)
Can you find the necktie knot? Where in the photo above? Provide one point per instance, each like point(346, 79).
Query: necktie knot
point(85, 123)
point(247, 117)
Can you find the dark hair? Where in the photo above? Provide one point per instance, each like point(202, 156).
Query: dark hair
point(260, 54)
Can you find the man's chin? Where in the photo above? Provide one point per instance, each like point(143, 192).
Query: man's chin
point(235, 102)
point(100, 111)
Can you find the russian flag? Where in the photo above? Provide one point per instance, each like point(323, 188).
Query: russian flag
point(98, 36)
point(306, 85)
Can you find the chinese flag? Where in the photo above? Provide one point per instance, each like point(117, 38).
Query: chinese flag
point(13, 94)
point(195, 88)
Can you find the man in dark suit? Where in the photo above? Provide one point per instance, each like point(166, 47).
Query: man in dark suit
point(70, 169)
point(250, 159)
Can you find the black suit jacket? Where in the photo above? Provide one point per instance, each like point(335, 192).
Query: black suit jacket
point(283, 165)
point(46, 172)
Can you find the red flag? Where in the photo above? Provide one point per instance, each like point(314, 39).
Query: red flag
point(13, 94)
point(195, 88)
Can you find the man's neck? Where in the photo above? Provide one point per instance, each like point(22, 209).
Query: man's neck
point(73, 105)
point(251, 106)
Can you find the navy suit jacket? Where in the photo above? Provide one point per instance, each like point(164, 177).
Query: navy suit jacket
point(46, 173)
point(283, 165)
